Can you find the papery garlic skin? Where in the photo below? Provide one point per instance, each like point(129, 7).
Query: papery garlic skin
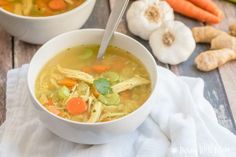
point(167, 11)
point(150, 1)
point(144, 16)
point(172, 43)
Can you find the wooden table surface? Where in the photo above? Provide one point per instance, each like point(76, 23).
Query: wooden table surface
point(220, 84)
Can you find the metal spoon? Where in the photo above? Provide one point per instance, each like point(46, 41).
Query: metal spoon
point(112, 24)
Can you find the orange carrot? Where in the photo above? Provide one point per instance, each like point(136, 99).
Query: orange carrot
point(7, 5)
point(3, 2)
point(100, 68)
point(209, 6)
point(76, 106)
point(188, 9)
point(57, 4)
point(54, 110)
point(67, 82)
point(49, 102)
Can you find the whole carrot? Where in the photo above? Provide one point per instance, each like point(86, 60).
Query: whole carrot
point(188, 9)
point(209, 6)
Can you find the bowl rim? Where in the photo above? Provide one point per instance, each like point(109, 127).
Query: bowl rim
point(118, 34)
point(84, 4)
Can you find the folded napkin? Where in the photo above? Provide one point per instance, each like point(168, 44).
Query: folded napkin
point(182, 124)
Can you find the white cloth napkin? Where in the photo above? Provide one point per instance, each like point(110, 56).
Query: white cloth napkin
point(182, 124)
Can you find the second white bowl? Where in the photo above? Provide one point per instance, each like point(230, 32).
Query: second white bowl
point(38, 30)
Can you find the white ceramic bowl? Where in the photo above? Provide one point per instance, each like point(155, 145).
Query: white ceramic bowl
point(38, 30)
point(91, 133)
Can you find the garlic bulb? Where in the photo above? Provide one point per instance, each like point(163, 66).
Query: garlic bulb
point(144, 16)
point(172, 43)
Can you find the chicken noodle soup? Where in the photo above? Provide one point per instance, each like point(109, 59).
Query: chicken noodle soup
point(75, 86)
point(39, 7)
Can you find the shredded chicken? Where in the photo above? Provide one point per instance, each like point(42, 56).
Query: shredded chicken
point(83, 90)
point(27, 6)
point(76, 74)
point(129, 84)
point(90, 101)
point(95, 112)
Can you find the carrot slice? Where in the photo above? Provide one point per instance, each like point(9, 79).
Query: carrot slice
point(100, 68)
point(49, 102)
point(76, 106)
point(54, 110)
point(57, 4)
point(3, 2)
point(67, 82)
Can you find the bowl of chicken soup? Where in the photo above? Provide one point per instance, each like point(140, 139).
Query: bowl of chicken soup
point(90, 101)
point(37, 21)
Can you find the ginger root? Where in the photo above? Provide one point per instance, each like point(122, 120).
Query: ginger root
point(232, 29)
point(223, 47)
point(205, 34)
point(212, 59)
point(224, 41)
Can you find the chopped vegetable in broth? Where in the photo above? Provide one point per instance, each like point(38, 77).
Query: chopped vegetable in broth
point(39, 7)
point(75, 86)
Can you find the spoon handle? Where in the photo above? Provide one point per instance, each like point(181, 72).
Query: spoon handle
point(112, 24)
